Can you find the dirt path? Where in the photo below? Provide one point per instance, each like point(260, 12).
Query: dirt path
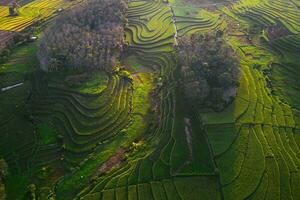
point(174, 23)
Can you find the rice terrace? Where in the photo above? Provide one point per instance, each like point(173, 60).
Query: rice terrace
point(149, 99)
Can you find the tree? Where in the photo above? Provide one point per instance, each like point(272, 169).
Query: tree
point(87, 37)
point(214, 68)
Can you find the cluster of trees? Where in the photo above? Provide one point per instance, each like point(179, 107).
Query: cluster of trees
point(89, 36)
point(210, 69)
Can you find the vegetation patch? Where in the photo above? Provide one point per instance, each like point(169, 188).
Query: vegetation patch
point(151, 100)
point(97, 46)
point(46, 134)
point(210, 70)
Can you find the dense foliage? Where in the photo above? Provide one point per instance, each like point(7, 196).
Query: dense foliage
point(89, 36)
point(210, 69)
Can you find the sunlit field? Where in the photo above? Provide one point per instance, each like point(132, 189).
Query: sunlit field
point(150, 99)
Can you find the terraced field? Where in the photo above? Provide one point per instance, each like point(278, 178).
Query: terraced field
point(255, 140)
point(137, 137)
point(85, 120)
point(258, 144)
point(268, 12)
point(157, 173)
point(30, 13)
point(190, 19)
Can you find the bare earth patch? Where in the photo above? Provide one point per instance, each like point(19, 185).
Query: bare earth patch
point(114, 161)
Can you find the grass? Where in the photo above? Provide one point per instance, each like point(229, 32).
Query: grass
point(170, 189)
point(70, 185)
point(283, 76)
point(144, 191)
point(46, 134)
point(183, 9)
point(132, 194)
point(230, 162)
point(158, 190)
point(142, 85)
point(17, 138)
point(249, 177)
point(206, 186)
point(22, 60)
point(96, 83)
point(133, 62)
point(15, 186)
point(121, 193)
point(221, 137)
point(108, 194)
